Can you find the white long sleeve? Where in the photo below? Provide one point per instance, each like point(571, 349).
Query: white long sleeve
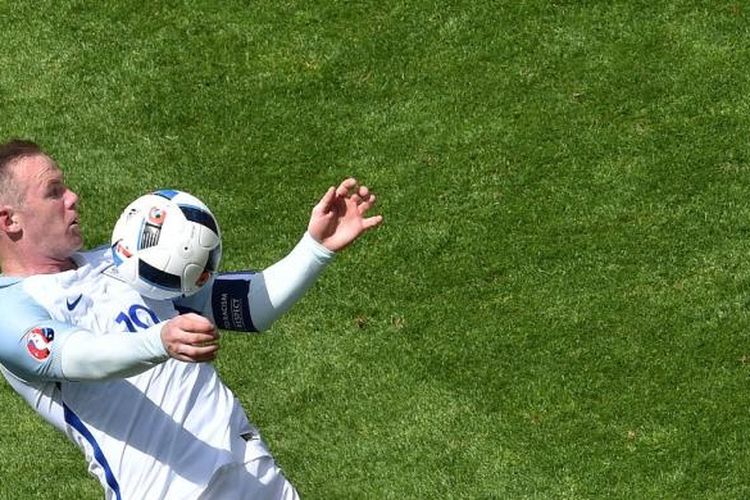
point(279, 286)
point(86, 356)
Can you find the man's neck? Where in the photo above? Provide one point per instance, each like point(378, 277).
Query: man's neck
point(15, 267)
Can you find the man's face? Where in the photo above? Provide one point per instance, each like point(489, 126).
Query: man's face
point(48, 210)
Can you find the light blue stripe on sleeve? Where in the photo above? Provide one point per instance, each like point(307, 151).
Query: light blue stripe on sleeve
point(29, 337)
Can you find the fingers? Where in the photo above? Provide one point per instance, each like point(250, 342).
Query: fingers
point(196, 354)
point(200, 339)
point(366, 204)
point(194, 323)
point(193, 354)
point(342, 192)
point(191, 338)
point(361, 195)
point(371, 222)
point(345, 186)
point(324, 205)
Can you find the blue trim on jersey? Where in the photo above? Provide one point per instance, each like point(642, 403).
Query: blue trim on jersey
point(72, 419)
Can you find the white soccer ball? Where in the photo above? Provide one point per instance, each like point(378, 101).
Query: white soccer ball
point(166, 244)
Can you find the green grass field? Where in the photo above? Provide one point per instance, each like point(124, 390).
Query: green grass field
point(558, 302)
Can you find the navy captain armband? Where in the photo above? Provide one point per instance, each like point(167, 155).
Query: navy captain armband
point(229, 302)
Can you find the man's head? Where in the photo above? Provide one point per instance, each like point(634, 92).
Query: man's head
point(38, 214)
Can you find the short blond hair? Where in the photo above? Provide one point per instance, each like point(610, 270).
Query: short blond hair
point(10, 152)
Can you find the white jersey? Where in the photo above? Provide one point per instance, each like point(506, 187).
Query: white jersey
point(160, 434)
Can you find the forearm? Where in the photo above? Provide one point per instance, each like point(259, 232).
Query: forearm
point(283, 283)
point(86, 356)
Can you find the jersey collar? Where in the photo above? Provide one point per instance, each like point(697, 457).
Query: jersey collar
point(9, 280)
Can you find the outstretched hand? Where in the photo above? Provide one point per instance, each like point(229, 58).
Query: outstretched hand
point(339, 218)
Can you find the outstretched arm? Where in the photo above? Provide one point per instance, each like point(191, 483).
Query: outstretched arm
point(187, 337)
point(338, 219)
point(249, 301)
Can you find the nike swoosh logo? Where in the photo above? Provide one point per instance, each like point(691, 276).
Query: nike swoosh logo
point(72, 305)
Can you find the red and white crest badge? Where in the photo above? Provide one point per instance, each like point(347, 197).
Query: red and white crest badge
point(38, 342)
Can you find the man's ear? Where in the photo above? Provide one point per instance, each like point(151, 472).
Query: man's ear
point(9, 220)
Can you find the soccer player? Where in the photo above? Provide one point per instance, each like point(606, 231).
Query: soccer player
point(127, 378)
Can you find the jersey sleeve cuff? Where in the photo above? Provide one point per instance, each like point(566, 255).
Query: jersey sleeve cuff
point(316, 249)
